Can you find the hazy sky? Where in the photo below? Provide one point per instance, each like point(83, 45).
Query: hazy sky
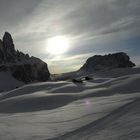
point(91, 26)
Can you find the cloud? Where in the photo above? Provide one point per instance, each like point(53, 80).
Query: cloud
point(15, 11)
point(77, 17)
point(90, 17)
point(67, 63)
point(93, 26)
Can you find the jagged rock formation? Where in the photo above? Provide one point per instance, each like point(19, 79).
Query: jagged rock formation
point(110, 61)
point(22, 66)
point(9, 49)
point(1, 52)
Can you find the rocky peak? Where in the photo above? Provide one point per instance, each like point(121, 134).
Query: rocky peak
point(7, 38)
point(1, 46)
point(8, 41)
point(22, 66)
point(110, 61)
point(1, 52)
point(9, 49)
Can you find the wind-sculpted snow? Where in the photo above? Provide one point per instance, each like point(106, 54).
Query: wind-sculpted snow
point(105, 108)
point(8, 82)
point(118, 122)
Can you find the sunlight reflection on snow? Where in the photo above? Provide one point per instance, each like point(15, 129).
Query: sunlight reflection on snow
point(87, 102)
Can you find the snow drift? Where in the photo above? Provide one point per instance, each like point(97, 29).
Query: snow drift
point(104, 108)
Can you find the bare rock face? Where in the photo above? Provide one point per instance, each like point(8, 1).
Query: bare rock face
point(8, 41)
point(30, 72)
point(33, 70)
point(9, 49)
point(22, 66)
point(1, 52)
point(110, 61)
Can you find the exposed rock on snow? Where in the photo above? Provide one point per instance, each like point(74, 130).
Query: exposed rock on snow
point(110, 61)
point(22, 66)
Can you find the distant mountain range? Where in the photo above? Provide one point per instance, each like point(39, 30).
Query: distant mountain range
point(99, 63)
point(19, 67)
point(22, 66)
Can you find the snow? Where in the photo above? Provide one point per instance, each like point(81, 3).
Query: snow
point(105, 108)
point(8, 82)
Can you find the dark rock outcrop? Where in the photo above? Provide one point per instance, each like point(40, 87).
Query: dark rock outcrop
point(22, 66)
point(9, 48)
point(30, 72)
point(1, 51)
point(110, 61)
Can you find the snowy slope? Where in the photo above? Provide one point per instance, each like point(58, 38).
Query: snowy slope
point(8, 82)
point(105, 108)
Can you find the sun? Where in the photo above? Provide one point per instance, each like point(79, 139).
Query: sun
point(57, 45)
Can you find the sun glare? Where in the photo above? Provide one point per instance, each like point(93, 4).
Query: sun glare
point(57, 45)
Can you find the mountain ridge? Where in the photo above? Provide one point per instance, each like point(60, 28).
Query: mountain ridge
point(107, 62)
point(22, 67)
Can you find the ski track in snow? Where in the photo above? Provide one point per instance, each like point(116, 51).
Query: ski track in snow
point(105, 108)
